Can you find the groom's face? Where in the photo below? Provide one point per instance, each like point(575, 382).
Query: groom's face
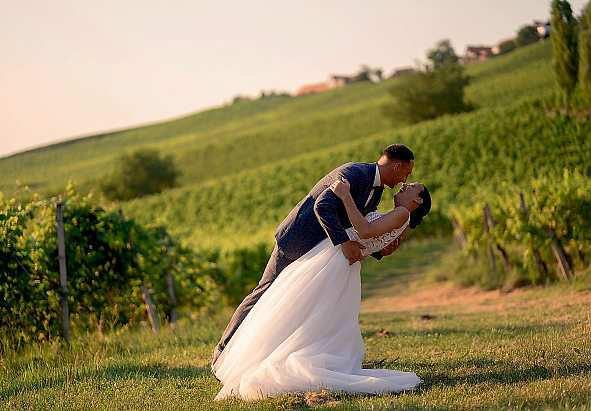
point(402, 171)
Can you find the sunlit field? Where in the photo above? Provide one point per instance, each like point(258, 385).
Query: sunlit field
point(473, 349)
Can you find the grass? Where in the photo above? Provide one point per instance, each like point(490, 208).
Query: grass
point(525, 350)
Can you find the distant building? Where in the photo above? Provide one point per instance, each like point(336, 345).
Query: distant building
point(543, 28)
point(365, 74)
point(402, 71)
point(340, 80)
point(337, 80)
point(313, 88)
point(476, 53)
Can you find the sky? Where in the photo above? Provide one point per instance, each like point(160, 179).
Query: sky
point(74, 68)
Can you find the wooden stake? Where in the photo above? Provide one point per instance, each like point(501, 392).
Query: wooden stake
point(61, 250)
point(491, 254)
point(171, 294)
point(152, 316)
point(502, 250)
point(460, 234)
point(561, 260)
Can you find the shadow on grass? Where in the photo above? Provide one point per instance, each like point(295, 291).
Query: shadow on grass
point(507, 374)
point(491, 371)
point(514, 330)
point(156, 371)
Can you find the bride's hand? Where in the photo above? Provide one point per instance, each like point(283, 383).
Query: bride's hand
point(341, 188)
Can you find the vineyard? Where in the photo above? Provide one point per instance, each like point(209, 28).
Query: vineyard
point(114, 264)
point(534, 236)
point(459, 158)
point(108, 272)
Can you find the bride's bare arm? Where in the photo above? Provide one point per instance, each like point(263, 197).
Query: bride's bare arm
point(393, 219)
point(357, 219)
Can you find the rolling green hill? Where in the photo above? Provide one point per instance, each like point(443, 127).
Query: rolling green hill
point(245, 165)
point(458, 157)
point(233, 138)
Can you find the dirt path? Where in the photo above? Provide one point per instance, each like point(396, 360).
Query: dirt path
point(399, 284)
point(448, 297)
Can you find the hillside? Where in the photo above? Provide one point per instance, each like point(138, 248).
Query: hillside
point(231, 139)
point(458, 157)
point(245, 165)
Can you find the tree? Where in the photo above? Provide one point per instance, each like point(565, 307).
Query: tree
point(140, 173)
point(564, 45)
point(429, 94)
point(585, 50)
point(442, 54)
point(585, 18)
point(526, 35)
point(507, 46)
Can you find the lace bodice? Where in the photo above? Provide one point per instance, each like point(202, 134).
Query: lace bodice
point(375, 244)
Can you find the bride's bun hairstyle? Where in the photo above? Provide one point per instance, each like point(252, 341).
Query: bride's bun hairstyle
point(417, 215)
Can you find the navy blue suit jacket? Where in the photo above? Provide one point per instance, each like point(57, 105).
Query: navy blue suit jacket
point(321, 213)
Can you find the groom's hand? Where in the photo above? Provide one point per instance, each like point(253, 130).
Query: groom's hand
point(352, 251)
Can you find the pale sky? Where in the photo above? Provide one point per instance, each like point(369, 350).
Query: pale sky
point(71, 68)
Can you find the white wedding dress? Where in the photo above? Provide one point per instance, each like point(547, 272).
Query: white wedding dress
point(303, 334)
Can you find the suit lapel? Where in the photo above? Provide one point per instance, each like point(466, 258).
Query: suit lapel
point(374, 200)
point(373, 192)
point(377, 196)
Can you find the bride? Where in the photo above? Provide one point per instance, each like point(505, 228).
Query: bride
point(278, 349)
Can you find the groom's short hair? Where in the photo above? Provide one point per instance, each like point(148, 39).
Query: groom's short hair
point(398, 152)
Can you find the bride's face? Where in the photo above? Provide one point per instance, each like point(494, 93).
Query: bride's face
point(408, 196)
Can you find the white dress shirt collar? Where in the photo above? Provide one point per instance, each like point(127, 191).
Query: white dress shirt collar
point(377, 181)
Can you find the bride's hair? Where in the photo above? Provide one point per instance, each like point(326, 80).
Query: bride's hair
point(417, 215)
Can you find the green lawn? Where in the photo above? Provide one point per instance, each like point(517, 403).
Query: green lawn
point(528, 349)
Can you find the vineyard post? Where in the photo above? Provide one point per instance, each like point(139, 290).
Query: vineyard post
point(150, 307)
point(493, 224)
point(171, 292)
point(491, 254)
point(540, 265)
point(561, 260)
point(152, 316)
point(61, 249)
point(460, 234)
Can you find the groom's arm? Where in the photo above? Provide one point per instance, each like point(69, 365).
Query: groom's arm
point(326, 209)
point(328, 205)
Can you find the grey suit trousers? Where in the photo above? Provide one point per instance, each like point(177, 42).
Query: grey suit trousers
point(277, 263)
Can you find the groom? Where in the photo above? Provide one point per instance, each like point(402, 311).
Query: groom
point(321, 214)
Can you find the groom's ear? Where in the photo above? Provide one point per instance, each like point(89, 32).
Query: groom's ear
point(419, 200)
